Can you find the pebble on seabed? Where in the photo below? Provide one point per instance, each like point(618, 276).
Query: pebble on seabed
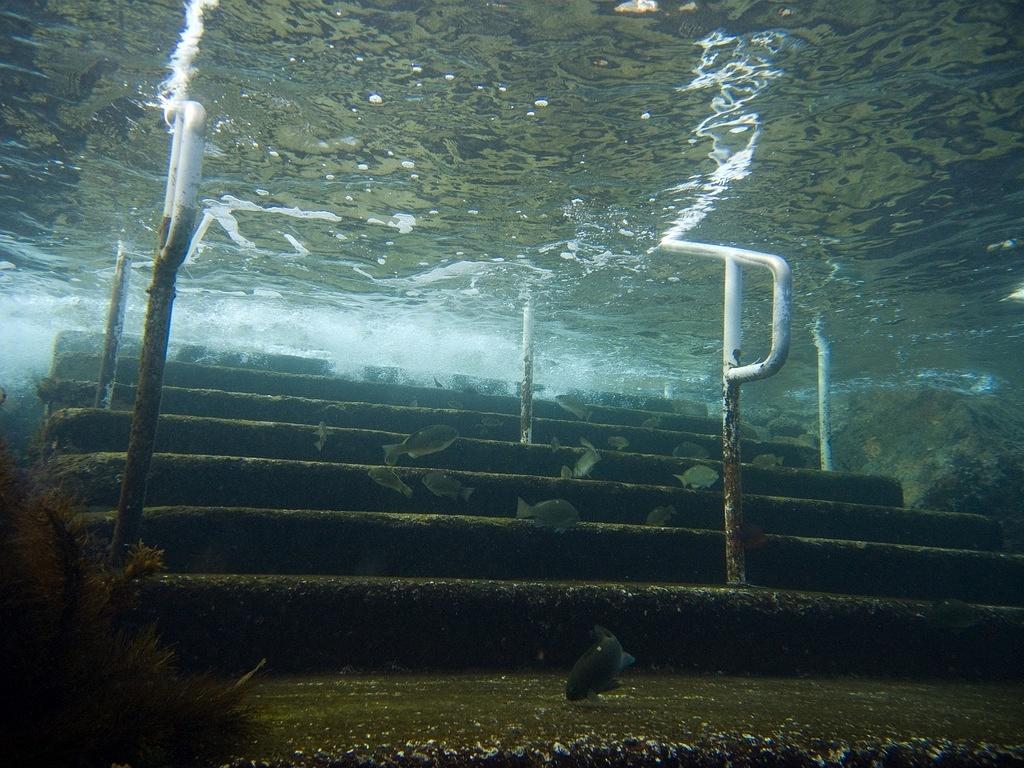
point(375, 98)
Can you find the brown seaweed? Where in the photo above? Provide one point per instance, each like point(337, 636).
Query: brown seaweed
point(82, 688)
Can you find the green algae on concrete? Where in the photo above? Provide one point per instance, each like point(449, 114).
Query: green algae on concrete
point(404, 417)
point(478, 450)
point(323, 623)
point(454, 545)
point(524, 719)
point(281, 483)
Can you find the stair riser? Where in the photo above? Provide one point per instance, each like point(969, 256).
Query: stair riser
point(321, 625)
point(229, 481)
point(233, 541)
point(389, 418)
point(90, 431)
point(85, 367)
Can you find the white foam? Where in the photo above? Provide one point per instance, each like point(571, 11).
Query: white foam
point(300, 249)
point(175, 88)
point(223, 212)
point(740, 70)
point(403, 222)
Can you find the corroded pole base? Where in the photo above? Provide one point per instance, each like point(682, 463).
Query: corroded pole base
point(526, 385)
point(115, 324)
point(735, 554)
point(152, 361)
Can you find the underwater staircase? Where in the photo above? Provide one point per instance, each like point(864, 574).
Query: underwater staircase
point(280, 545)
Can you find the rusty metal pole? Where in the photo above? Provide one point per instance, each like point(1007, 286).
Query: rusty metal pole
point(175, 235)
point(732, 337)
point(526, 385)
point(115, 324)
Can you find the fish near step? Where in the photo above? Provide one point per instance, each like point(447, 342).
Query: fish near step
point(241, 540)
point(489, 426)
point(98, 430)
point(231, 481)
point(229, 622)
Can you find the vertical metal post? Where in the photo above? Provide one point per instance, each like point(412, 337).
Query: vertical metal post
point(824, 395)
point(732, 336)
point(526, 385)
point(176, 230)
point(115, 324)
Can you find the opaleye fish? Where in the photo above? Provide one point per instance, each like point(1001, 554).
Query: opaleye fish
point(596, 669)
point(441, 484)
point(422, 442)
point(387, 477)
point(553, 513)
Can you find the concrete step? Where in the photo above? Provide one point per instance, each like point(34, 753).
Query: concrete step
point(84, 367)
point(286, 484)
point(326, 623)
point(89, 430)
point(269, 541)
point(63, 393)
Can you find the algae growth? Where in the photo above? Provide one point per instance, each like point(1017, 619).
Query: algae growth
point(515, 714)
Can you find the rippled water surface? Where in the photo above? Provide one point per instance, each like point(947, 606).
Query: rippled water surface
point(532, 148)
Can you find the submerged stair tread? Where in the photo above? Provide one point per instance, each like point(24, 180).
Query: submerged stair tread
point(219, 480)
point(90, 430)
point(399, 544)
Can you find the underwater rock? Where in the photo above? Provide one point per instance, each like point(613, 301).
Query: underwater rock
point(951, 451)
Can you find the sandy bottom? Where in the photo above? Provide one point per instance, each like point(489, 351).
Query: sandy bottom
point(386, 713)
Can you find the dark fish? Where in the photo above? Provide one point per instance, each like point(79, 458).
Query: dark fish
point(566, 473)
point(421, 443)
point(441, 484)
point(618, 442)
point(766, 461)
point(585, 462)
point(596, 669)
point(3, 395)
point(660, 515)
point(698, 476)
point(387, 477)
point(321, 437)
point(555, 445)
point(553, 513)
point(490, 421)
point(652, 423)
point(690, 451)
point(574, 406)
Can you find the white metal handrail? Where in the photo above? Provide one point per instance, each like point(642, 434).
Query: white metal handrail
point(184, 168)
point(782, 300)
point(733, 374)
point(824, 395)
